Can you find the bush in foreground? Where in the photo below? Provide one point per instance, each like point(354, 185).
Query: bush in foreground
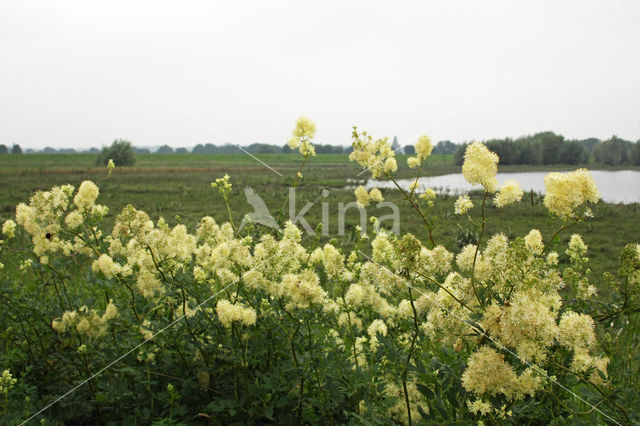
point(216, 326)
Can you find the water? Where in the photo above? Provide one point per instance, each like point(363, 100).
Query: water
point(621, 186)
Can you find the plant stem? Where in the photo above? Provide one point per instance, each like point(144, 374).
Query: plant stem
point(475, 256)
point(416, 208)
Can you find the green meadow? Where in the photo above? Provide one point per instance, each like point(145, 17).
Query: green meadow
point(177, 187)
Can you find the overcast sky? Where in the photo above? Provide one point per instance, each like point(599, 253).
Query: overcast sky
point(82, 73)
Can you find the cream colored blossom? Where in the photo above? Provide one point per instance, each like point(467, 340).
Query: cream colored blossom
point(87, 195)
point(576, 330)
point(106, 265)
point(509, 193)
point(74, 219)
point(229, 313)
point(487, 373)
point(423, 147)
point(428, 195)
point(480, 166)
point(577, 249)
point(533, 241)
point(375, 328)
point(110, 166)
point(375, 195)
point(302, 135)
point(110, 312)
point(413, 162)
point(479, 407)
point(567, 191)
point(302, 289)
point(362, 196)
point(9, 228)
point(223, 185)
point(466, 256)
point(375, 155)
point(390, 165)
point(463, 204)
point(6, 382)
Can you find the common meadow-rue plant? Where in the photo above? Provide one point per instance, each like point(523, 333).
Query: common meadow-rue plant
point(217, 325)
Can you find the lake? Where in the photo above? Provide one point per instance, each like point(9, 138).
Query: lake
point(621, 186)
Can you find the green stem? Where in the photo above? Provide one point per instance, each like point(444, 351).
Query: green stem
point(475, 255)
point(416, 208)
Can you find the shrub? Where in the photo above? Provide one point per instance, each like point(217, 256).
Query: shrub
point(220, 325)
point(120, 151)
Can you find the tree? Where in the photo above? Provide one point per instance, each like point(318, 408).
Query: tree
point(120, 152)
point(613, 152)
point(4, 149)
point(574, 152)
point(182, 150)
point(590, 143)
point(444, 147)
point(165, 149)
point(286, 149)
point(506, 150)
point(15, 149)
point(551, 146)
point(530, 151)
point(410, 150)
point(458, 156)
point(49, 150)
point(635, 153)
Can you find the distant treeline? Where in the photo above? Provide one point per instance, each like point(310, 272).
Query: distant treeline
point(541, 148)
point(550, 148)
point(442, 147)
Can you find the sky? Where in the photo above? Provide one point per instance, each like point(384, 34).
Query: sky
point(78, 74)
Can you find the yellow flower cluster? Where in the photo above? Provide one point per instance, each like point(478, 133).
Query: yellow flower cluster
point(488, 374)
point(44, 216)
point(463, 204)
point(86, 322)
point(509, 193)
point(423, 148)
point(375, 328)
point(332, 260)
point(376, 156)
point(303, 134)
point(481, 166)
point(302, 289)
point(577, 249)
point(364, 198)
point(6, 382)
point(108, 267)
point(229, 313)
point(223, 185)
point(533, 241)
point(565, 192)
point(528, 324)
point(87, 195)
point(9, 228)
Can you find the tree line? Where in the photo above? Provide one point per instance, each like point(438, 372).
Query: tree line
point(551, 148)
point(538, 149)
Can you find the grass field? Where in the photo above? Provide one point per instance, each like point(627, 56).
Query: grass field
point(179, 185)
